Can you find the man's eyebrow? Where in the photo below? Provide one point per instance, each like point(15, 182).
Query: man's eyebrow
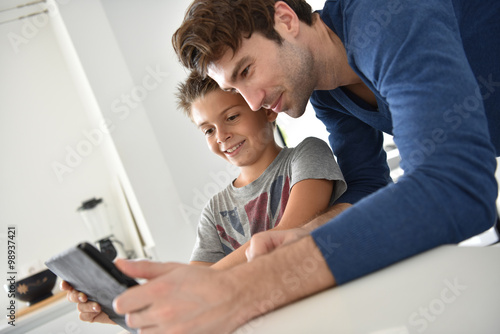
point(238, 66)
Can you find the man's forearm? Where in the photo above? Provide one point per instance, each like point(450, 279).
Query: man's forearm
point(328, 215)
point(285, 275)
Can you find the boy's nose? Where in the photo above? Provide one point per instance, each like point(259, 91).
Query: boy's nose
point(222, 136)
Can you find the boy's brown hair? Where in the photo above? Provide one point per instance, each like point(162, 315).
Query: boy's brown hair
point(211, 27)
point(193, 88)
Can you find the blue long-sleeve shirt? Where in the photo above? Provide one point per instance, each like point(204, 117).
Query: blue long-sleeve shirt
point(434, 67)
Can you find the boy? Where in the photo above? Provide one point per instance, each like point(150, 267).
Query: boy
point(277, 188)
point(307, 177)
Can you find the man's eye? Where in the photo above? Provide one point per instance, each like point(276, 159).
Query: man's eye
point(244, 73)
point(232, 118)
point(231, 90)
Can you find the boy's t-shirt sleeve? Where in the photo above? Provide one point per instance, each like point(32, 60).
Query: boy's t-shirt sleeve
point(313, 159)
point(208, 247)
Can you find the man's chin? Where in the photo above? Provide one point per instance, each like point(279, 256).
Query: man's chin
point(294, 113)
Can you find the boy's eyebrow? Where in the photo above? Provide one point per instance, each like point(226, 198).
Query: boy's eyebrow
point(238, 66)
point(222, 112)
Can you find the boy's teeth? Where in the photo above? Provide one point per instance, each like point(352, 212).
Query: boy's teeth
point(231, 150)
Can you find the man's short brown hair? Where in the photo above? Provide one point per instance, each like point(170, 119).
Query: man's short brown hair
point(211, 27)
point(192, 89)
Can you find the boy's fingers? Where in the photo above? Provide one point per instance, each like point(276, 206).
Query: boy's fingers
point(65, 286)
point(91, 312)
point(89, 307)
point(103, 318)
point(100, 317)
point(90, 316)
point(72, 294)
point(76, 296)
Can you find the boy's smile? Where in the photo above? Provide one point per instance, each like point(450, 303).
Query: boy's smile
point(234, 150)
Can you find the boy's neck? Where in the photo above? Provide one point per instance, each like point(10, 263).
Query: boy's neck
point(248, 174)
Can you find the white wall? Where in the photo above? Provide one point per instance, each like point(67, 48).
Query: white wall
point(42, 119)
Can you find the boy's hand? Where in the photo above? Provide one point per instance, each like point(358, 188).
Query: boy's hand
point(265, 242)
point(89, 311)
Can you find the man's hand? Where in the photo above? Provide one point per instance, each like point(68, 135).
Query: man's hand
point(178, 298)
point(265, 242)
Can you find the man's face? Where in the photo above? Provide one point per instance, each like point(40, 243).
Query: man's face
point(268, 75)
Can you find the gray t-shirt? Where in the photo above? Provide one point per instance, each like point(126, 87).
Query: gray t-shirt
point(233, 215)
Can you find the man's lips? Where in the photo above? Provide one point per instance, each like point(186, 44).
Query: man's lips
point(276, 107)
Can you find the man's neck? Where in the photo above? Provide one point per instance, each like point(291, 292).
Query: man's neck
point(332, 66)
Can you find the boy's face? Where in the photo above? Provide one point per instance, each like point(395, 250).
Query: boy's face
point(232, 130)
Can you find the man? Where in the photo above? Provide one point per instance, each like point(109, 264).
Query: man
point(425, 72)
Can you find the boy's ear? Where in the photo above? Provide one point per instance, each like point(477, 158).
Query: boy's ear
point(271, 115)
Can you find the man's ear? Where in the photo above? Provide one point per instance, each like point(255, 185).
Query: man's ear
point(271, 115)
point(286, 20)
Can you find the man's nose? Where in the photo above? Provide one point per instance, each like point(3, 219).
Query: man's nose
point(253, 97)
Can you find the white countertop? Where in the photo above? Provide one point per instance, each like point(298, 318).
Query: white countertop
point(449, 289)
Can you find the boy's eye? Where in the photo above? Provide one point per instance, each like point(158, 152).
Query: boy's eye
point(232, 118)
point(208, 132)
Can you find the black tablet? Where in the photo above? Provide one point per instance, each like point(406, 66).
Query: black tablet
point(88, 271)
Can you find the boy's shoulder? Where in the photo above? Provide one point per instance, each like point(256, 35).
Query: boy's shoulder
point(312, 142)
point(309, 150)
